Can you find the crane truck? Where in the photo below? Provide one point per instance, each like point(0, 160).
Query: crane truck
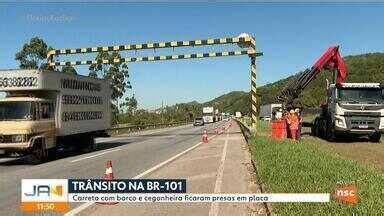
point(43, 110)
point(349, 109)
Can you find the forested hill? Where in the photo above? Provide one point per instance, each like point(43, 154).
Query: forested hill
point(361, 68)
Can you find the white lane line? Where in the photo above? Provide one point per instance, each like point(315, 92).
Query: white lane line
point(82, 207)
point(96, 155)
point(214, 211)
point(169, 160)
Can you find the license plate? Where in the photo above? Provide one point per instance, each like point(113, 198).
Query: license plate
point(363, 126)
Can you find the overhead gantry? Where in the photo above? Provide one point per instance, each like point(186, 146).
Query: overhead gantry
point(245, 42)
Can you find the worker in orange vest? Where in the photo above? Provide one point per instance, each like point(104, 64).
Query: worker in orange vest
point(300, 119)
point(285, 119)
point(293, 122)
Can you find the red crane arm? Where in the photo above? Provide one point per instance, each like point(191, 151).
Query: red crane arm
point(331, 60)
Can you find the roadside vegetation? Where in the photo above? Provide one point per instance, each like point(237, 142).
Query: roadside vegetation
point(287, 167)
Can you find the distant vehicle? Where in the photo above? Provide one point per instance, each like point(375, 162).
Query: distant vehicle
point(238, 115)
point(198, 121)
point(208, 115)
point(267, 118)
point(267, 111)
point(46, 109)
point(225, 117)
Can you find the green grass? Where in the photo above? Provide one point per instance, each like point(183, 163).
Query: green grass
point(284, 167)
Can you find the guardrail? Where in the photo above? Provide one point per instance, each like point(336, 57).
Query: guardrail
point(136, 128)
point(245, 128)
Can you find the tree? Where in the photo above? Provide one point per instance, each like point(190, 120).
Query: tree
point(68, 70)
point(130, 105)
point(33, 54)
point(116, 73)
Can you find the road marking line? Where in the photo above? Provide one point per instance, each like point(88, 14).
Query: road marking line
point(169, 160)
point(82, 207)
point(92, 156)
point(214, 211)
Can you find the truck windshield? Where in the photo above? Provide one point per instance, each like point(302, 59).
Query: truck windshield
point(15, 110)
point(361, 95)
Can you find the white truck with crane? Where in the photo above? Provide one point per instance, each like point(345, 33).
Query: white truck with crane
point(350, 108)
point(43, 110)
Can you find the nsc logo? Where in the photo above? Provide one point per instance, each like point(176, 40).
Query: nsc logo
point(44, 190)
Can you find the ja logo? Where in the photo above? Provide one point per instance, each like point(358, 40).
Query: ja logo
point(45, 190)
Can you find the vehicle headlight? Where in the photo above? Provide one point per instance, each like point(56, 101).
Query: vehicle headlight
point(17, 138)
point(339, 122)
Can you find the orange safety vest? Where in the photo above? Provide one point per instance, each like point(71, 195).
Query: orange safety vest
point(293, 121)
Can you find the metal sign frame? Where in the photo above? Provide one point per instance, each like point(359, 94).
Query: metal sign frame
point(246, 43)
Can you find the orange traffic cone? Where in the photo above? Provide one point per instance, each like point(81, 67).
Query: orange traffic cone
point(223, 129)
point(205, 137)
point(108, 176)
point(108, 171)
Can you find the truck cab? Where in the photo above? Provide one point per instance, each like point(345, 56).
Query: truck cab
point(26, 123)
point(356, 108)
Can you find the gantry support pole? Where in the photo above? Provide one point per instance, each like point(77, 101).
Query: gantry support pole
point(253, 93)
point(253, 98)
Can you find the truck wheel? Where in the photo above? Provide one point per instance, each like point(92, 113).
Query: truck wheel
point(329, 131)
point(330, 135)
point(39, 153)
point(88, 144)
point(375, 137)
point(51, 153)
point(313, 128)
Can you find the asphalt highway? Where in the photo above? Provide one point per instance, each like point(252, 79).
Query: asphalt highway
point(130, 155)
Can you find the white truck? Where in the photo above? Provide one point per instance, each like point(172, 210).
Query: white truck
point(208, 115)
point(267, 111)
point(352, 109)
point(45, 109)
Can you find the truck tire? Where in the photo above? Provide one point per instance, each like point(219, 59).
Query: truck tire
point(39, 153)
point(87, 144)
point(51, 153)
point(314, 127)
point(375, 137)
point(330, 132)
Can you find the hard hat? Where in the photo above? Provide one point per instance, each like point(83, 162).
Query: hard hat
point(292, 111)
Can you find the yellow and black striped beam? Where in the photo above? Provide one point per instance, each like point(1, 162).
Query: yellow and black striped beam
point(159, 58)
point(171, 44)
point(202, 42)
